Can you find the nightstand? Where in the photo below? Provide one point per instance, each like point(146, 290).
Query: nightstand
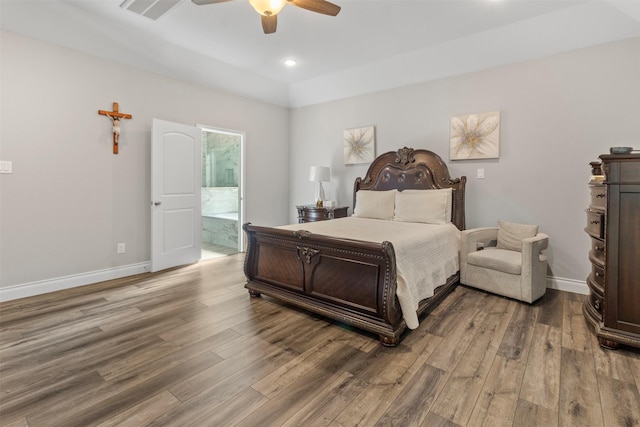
point(312, 213)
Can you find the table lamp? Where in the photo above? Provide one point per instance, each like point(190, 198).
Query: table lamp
point(319, 174)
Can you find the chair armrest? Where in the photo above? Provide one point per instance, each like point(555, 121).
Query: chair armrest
point(535, 244)
point(531, 248)
point(534, 267)
point(469, 239)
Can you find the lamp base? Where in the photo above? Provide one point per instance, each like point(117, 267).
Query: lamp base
point(319, 195)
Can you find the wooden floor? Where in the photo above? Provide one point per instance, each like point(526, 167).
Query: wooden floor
point(189, 347)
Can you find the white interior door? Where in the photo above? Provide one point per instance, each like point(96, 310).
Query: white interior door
point(175, 191)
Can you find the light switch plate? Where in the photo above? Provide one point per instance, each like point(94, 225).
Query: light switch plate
point(6, 166)
point(480, 173)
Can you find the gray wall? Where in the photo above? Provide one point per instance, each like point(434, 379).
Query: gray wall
point(70, 200)
point(557, 114)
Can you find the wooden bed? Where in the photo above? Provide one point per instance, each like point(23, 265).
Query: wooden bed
point(311, 271)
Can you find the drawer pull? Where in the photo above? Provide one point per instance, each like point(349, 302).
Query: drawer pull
point(596, 304)
point(595, 221)
point(599, 248)
point(598, 274)
point(600, 196)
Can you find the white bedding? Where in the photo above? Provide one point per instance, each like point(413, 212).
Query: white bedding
point(426, 254)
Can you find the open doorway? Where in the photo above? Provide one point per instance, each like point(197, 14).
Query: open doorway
point(222, 192)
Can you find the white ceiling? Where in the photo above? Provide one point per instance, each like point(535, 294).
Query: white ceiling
point(371, 45)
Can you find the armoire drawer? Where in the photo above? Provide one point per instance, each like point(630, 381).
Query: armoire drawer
point(598, 196)
point(597, 249)
point(596, 302)
point(597, 274)
point(595, 223)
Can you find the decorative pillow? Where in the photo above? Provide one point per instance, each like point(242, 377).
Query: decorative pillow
point(447, 191)
point(375, 204)
point(428, 206)
point(511, 235)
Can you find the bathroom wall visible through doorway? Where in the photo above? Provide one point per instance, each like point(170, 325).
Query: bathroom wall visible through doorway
point(222, 195)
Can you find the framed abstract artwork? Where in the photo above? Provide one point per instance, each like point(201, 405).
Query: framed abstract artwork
point(475, 136)
point(359, 145)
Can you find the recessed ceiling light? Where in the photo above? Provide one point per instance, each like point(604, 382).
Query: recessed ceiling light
point(290, 62)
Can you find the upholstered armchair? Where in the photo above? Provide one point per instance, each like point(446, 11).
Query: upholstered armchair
point(505, 260)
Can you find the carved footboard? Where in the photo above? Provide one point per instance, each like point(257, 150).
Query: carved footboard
point(347, 280)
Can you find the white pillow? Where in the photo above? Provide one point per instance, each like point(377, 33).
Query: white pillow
point(429, 193)
point(375, 204)
point(428, 206)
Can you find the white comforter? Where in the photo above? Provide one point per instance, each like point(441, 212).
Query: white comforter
point(426, 254)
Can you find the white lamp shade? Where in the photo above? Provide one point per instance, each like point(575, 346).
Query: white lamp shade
point(268, 7)
point(320, 174)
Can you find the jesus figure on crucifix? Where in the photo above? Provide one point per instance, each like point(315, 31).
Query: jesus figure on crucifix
point(115, 117)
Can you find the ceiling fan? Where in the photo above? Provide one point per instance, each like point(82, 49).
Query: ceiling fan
point(269, 9)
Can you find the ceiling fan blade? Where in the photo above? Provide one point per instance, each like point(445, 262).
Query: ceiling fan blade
point(320, 6)
point(269, 23)
point(203, 2)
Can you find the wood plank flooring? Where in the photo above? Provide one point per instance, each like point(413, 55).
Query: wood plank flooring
point(189, 347)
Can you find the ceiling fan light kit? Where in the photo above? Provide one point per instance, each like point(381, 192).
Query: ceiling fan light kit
point(269, 9)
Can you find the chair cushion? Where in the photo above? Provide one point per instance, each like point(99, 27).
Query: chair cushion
point(511, 235)
point(497, 259)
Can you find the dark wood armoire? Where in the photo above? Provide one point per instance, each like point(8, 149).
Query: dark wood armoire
point(613, 223)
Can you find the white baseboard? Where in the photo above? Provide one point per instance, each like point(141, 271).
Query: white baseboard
point(45, 286)
point(569, 285)
point(51, 285)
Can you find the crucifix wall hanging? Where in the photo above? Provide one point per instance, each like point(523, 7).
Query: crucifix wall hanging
point(115, 117)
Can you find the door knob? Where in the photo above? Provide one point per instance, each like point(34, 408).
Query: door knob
point(157, 203)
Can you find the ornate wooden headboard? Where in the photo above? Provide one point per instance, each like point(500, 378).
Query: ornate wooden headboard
point(414, 169)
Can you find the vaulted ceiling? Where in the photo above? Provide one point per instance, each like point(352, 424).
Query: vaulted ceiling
point(371, 45)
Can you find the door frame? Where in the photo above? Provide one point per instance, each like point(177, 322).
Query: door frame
point(241, 184)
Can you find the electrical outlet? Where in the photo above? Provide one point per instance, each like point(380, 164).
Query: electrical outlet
point(120, 248)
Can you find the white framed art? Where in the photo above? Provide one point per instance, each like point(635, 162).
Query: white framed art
point(475, 136)
point(359, 145)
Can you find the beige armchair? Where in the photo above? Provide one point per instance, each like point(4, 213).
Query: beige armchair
point(499, 267)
